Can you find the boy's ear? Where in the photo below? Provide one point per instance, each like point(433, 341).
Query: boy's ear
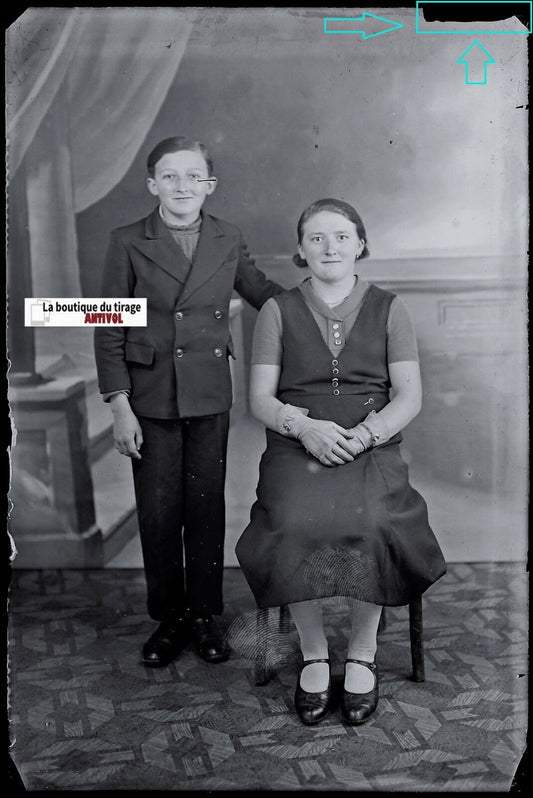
point(211, 186)
point(152, 188)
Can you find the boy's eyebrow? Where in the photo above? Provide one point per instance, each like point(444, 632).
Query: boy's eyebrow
point(320, 232)
point(187, 169)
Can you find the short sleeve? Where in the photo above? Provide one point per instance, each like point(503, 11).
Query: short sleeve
point(267, 345)
point(401, 334)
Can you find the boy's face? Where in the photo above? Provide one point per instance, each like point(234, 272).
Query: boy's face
point(175, 183)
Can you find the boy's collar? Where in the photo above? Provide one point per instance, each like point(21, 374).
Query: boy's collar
point(155, 227)
point(185, 227)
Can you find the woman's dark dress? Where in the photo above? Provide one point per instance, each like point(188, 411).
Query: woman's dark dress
point(359, 529)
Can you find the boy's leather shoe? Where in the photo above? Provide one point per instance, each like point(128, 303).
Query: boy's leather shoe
point(167, 641)
point(209, 641)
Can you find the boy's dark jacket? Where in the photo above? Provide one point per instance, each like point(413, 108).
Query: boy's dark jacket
point(177, 366)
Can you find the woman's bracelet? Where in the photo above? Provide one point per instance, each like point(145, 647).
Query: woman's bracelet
point(285, 418)
point(363, 435)
point(373, 437)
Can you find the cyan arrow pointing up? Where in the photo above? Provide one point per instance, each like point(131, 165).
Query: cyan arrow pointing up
point(467, 56)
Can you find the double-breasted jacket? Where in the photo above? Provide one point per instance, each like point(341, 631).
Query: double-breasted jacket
point(177, 366)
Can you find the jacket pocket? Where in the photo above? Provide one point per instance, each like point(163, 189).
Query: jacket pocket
point(139, 353)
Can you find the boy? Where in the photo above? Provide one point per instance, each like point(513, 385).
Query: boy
point(169, 388)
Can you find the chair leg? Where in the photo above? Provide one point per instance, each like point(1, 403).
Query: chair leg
point(382, 621)
point(262, 672)
point(284, 615)
point(416, 635)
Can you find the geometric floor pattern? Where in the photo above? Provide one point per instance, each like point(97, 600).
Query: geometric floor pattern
point(85, 714)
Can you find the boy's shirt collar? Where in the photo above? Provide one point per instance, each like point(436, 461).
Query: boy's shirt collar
point(193, 227)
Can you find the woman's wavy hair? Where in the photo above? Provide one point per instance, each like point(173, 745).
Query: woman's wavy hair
point(175, 144)
point(333, 206)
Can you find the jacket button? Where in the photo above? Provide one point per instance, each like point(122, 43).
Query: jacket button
point(179, 315)
point(217, 352)
point(217, 314)
point(179, 352)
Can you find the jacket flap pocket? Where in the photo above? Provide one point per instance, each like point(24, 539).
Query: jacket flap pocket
point(140, 353)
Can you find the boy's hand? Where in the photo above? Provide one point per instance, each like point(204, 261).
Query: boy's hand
point(127, 432)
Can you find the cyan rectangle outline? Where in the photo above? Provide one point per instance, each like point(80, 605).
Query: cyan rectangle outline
point(474, 32)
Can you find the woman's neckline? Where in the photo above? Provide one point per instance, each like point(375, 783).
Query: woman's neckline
point(335, 302)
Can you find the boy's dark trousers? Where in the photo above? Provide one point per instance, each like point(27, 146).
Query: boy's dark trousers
point(179, 485)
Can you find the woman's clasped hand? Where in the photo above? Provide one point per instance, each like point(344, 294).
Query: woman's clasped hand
point(330, 443)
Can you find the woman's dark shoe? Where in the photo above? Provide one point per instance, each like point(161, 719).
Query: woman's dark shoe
point(358, 707)
point(167, 641)
point(312, 707)
point(209, 641)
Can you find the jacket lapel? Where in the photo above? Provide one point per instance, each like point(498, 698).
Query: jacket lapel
point(213, 246)
point(162, 250)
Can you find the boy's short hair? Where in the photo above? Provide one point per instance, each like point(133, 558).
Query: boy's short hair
point(175, 144)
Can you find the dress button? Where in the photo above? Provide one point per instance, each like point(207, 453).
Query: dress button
point(337, 334)
point(334, 362)
point(179, 315)
point(334, 371)
point(217, 352)
point(217, 314)
point(336, 392)
point(334, 382)
point(338, 342)
point(179, 352)
point(335, 326)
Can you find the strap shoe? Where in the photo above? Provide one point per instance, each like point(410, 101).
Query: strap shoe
point(311, 708)
point(358, 707)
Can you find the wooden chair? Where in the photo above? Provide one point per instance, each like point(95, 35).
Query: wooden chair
point(263, 673)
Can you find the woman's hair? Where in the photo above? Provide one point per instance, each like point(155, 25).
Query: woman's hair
point(175, 144)
point(333, 206)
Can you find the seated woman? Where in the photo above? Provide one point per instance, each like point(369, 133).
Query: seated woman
point(335, 377)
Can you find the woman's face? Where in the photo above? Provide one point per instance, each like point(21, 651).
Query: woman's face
point(330, 245)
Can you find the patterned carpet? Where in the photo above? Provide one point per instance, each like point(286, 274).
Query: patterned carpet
point(86, 715)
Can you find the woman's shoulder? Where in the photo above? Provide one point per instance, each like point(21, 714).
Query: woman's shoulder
point(381, 292)
point(286, 297)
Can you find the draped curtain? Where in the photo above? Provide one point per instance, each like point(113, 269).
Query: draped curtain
point(83, 88)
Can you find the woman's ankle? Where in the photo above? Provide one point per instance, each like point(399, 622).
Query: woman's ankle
point(358, 678)
point(314, 678)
